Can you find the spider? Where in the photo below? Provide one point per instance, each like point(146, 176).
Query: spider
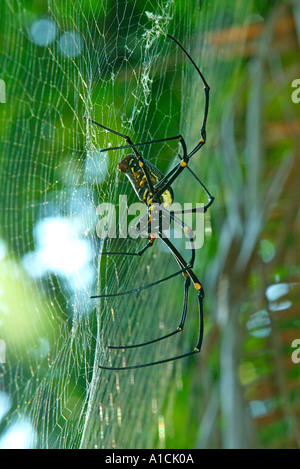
point(153, 188)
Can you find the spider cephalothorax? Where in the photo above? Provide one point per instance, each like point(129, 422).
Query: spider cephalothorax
point(130, 166)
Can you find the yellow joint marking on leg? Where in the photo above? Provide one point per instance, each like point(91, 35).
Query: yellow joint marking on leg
point(150, 201)
point(179, 328)
point(196, 349)
point(186, 229)
point(202, 140)
point(141, 164)
point(183, 164)
point(185, 274)
point(197, 286)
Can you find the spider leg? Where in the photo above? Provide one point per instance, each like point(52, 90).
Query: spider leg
point(181, 263)
point(185, 267)
point(138, 253)
point(173, 174)
point(143, 287)
point(165, 182)
point(114, 368)
point(176, 137)
point(210, 197)
point(206, 94)
point(179, 327)
point(197, 348)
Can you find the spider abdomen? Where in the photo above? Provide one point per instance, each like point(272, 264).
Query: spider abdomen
point(136, 175)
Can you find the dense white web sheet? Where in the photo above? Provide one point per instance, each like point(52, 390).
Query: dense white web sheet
point(111, 62)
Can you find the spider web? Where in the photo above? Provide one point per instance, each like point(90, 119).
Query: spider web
point(109, 61)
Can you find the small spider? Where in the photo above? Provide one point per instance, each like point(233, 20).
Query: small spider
point(153, 188)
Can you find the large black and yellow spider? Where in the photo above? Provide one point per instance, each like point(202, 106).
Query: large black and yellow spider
point(154, 188)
